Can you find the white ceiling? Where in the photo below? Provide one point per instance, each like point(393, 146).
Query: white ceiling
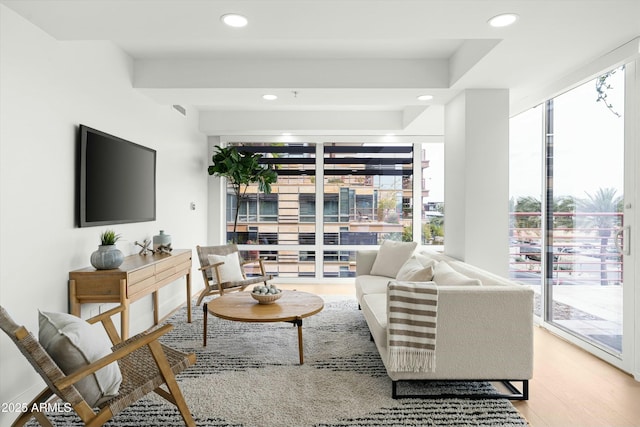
point(338, 66)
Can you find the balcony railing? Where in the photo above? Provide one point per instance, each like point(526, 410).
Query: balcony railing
point(585, 253)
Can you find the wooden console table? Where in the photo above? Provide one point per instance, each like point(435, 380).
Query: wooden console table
point(138, 276)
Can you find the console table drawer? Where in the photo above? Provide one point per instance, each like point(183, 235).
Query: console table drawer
point(141, 286)
point(141, 274)
point(168, 272)
point(172, 262)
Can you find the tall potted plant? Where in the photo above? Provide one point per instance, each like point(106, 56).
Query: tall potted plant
point(241, 169)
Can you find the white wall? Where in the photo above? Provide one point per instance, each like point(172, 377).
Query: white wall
point(217, 201)
point(477, 178)
point(48, 88)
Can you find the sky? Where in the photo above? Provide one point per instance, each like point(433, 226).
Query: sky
point(588, 143)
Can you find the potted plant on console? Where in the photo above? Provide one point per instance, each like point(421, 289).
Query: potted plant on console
point(107, 256)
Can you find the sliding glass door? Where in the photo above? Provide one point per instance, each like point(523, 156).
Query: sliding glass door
point(571, 171)
point(585, 193)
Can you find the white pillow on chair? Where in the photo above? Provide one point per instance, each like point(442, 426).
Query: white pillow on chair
point(73, 343)
point(230, 271)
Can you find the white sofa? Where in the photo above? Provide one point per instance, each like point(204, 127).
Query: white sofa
point(484, 327)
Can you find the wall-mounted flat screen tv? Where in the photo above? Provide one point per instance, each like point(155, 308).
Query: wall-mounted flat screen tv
point(116, 180)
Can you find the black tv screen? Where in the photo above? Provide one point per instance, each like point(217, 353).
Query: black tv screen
point(117, 180)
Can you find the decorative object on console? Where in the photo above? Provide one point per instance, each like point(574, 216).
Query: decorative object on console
point(164, 249)
point(107, 256)
point(145, 247)
point(161, 240)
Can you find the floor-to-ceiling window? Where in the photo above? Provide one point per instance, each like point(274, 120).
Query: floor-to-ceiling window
point(332, 198)
point(368, 195)
point(280, 227)
point(432, 189)
point(525, 199)
point(567, 188)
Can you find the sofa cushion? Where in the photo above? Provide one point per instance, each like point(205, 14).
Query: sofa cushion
point(429, 254)
point(414, 271)
point(73, 343)
point(425, 259)
point(444, 275)
point(374, 308)
point(485, 277)
point(367, 284)
point(391, 256)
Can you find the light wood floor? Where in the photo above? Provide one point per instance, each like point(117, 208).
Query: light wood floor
point(570, 387)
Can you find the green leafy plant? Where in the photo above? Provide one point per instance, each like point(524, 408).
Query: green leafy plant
point(602, 86)
point(109, 237)
point(241, 169)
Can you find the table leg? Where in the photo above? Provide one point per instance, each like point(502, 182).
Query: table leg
point(188, 297)
point(204, 332)
point(156, 304)
point(124, 315)
point(74, 305)
point(298, 323)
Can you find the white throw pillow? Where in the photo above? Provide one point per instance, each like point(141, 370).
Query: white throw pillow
point(73, 343)
point(426, 260)
point(230, 271)
point(414, 271)
point(391, 256)
point(444, 275)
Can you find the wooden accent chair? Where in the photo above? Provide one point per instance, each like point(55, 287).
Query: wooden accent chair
point(145, 365)
point(215, 279)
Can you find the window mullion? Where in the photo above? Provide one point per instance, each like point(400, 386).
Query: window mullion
point(319, 242)
point(416, 220)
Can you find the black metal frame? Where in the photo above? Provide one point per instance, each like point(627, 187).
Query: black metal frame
point(514, 394)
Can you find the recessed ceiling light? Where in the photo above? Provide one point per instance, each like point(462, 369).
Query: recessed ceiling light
point(269, 97)
point(425, 97)
point(503, 20)
point(234, 20)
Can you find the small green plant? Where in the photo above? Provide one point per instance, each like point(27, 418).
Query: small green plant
point(109, 237)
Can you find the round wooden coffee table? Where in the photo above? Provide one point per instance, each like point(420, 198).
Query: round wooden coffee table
point(292, 307)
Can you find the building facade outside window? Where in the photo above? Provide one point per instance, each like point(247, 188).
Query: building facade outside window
point(366, 195)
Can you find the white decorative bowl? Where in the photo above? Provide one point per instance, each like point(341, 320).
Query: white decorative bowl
point(266, 298)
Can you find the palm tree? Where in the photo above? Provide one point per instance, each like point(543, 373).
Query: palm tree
point(528, 204)
point(602, 204)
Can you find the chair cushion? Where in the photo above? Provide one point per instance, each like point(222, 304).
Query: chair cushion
point(391, 256)
point(444, 275)
point(73, 343)
point(414, 271)
point(230, 271)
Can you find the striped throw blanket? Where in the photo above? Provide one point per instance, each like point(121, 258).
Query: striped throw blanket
point(411, 326)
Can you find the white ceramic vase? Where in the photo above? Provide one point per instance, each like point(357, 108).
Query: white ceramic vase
point(107, 257)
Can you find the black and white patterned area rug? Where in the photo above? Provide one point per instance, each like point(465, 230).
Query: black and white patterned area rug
point(249, 376)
